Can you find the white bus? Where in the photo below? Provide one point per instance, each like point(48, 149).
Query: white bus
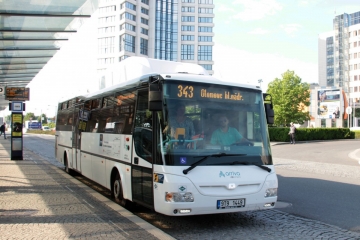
point(120, 138)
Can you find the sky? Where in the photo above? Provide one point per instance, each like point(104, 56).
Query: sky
point(254, 39)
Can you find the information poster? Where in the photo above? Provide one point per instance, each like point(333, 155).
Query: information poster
point(17, 125)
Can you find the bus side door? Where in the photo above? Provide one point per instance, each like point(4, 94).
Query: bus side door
point(76, 140)
point(142, 173)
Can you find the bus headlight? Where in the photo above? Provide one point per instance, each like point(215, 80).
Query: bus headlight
point(271, 192)
point(179, 197)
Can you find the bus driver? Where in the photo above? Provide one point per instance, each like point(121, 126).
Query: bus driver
point(226, 135)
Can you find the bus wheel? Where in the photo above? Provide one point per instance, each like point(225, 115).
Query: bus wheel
point(118, 191)
point(67, 169)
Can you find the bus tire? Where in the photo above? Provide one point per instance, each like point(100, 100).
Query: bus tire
point(66, 163)
point(118, 192)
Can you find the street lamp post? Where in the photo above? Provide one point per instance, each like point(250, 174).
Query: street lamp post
point(260, 81)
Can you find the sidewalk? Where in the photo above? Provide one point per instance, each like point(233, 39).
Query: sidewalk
point(40, 201)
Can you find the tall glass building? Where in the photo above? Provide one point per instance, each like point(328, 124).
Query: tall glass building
point(339, 55)
point(174, 30)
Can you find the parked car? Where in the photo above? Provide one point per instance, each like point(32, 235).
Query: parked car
point(46, 128)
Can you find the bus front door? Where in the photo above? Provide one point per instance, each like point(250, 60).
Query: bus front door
point(142, 172)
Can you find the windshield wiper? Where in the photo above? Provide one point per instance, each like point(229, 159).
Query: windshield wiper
point(245, 163)
point(203, 158)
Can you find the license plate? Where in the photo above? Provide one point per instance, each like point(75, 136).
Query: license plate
point(230, 203)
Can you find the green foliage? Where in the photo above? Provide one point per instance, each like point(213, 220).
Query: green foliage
point(280, 134)
point(357, 112)
point(29, 116)
point(44, 117)
point(289, 96)
point(41, 132)
point(50, 125)
point(8, 119)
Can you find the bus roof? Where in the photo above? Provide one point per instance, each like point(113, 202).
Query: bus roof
point(133, 71)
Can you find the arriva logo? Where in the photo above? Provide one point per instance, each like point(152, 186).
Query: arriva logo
point(229, 174)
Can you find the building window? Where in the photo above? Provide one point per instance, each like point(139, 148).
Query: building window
point(323, 123)
point(144, 31)
point(107, 19)
point(205, 19)
point(355, 78)
point(107, 9)
point(205, 1)
point(206, 66)
point(106, 45)
point(143, 46)
point(106, 29)
point(187, 37)
point(205, 53)
point(127, 26)
point(105, 61)
point(188, 1)
point(355, 89)
point(205, 10)
point(123, 58)
point(187, 52)
point(355, 44)
point(128, 5)
point(188, 19)
point(145, 11)
point(145, 1)
point(127, 43)
point(145, 21)
point(205, 38)
point(205, 29)
point(187, 28)
point(128, 16)
point(355, 55)
point(188, 9)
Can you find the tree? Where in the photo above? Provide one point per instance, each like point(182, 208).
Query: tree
point(29, 116)
point(290, 97)
point(44, 118)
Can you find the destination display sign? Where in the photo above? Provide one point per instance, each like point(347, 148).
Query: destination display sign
point(17, 94)
point(185, 90)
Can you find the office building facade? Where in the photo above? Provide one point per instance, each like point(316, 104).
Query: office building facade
point(339, 55)
point(339, 61)
point(174, 30)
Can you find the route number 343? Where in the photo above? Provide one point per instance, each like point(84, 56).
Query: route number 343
point(185, 91)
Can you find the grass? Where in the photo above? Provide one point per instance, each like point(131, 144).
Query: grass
point(41, 132)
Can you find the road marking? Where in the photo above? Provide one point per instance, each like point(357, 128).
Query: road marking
point(88, 203)
point(69, 189)
point(35, 162)
point(119, 227)
point(353, 155)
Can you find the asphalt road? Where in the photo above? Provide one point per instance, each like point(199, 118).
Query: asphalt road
point(321, 180)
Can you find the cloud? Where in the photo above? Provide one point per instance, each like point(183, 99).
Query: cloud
point(259, 31)
point(257, 9)
point(291, 29)
point(224, 8)
point(235, 65)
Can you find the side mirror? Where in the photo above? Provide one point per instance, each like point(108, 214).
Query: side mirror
point(269, 111)
point(155, 98)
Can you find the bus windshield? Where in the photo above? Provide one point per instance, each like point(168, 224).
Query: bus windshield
point(225, 124)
